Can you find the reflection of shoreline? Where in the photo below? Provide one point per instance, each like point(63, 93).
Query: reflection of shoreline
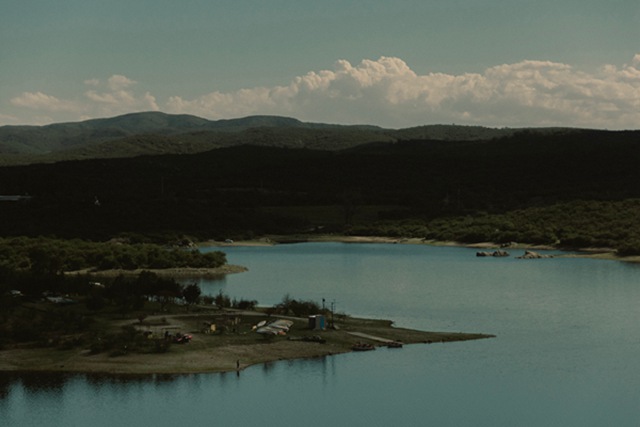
point(170, 272)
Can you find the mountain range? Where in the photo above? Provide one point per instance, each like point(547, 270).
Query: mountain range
point(160, 133)
point(155, 174)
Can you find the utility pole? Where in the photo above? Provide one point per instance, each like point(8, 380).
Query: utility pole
point(333, 308)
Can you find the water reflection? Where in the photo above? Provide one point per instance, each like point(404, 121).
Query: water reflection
point(52, 384)
point(7, 380)
point(268, 367)
point(44, 382)
point(116, 380)
point(211, 285)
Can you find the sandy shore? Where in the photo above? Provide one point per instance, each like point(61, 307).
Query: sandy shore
point(594, 253)
point(171, 272)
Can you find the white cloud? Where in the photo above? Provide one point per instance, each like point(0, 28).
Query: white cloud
point(118, 82)
point(117, 96)
point(114, 96)
point(8, 119)
point(43, 102)
point(388, 92)
point(149, 101)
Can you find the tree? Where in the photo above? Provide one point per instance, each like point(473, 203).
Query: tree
point(222, 301)
point(191, 294)
point(45, 261)
point(351, 202)
point(121, 292)
point(95, 302)
point(285, 304)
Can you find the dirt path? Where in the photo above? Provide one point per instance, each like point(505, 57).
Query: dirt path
point(370, 337)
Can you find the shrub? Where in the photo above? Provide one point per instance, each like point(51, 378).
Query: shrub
point(222, 301)
point(245, 304)
point(629, 249)
point(95, 302)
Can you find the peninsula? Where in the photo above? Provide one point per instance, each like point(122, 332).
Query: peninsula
point(213, 340)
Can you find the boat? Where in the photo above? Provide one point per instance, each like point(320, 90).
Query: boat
point(395, 344)
point(362, 347)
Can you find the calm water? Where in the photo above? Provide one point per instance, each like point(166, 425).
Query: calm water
point(567, 350)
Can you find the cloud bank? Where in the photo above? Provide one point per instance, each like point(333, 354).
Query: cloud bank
point(112, 97)
point(387, 92)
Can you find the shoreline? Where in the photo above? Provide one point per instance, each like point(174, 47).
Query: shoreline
point(606, 254)
point(227, 352)
point(183, 272)
point(272, 240)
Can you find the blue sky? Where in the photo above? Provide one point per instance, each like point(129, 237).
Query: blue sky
point(391, 63)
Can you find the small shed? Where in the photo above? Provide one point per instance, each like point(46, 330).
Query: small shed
point(317, 322)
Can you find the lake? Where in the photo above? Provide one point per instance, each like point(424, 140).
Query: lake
point(566, 351)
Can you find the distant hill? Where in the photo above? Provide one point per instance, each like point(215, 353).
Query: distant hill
point(151, 133)
point(170, 130)
point(279, 188)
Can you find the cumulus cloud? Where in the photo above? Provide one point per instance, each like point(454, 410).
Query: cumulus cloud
point(114, 96)
point(389, 93)
point(43, 102)
point(119, 82)
point(117, 96)
point(8, 119)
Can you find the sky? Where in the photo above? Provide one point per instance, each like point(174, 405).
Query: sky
point(396, 64)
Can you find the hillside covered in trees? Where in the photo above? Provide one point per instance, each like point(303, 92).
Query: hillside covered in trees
point(571, 188)
point(152, 133)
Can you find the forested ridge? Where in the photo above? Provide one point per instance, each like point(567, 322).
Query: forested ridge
point(247, 190)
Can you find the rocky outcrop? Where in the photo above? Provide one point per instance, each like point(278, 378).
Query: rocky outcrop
point(533, 255)
point(498, 253)
point(502, 253)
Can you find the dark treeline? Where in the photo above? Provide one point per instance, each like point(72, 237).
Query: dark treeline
point(233, 191)
point(572, 225)
point(34, 266)
point(55, 256)
point(70, 311)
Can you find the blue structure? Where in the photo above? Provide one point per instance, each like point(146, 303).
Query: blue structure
point(317, 322)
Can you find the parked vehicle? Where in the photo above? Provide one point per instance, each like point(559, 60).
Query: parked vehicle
point(182, 338)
